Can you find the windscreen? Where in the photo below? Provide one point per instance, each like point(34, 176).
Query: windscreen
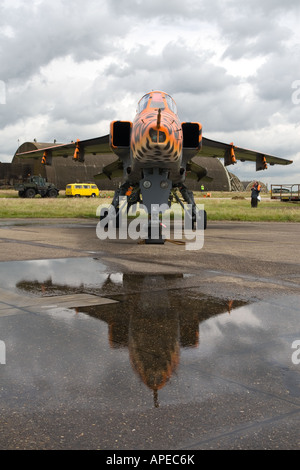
point(157, 101)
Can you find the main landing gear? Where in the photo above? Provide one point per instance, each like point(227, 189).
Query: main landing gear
point(193, 217)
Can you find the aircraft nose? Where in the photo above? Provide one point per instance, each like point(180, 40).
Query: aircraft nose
point(157, 135)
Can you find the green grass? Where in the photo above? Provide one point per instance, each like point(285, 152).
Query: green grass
point(241, 210)
point(220, 206)
point(43, 208)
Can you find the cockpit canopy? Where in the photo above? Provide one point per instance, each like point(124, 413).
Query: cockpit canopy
point(157, 100)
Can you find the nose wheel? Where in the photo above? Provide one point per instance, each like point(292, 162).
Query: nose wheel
point(155, 236)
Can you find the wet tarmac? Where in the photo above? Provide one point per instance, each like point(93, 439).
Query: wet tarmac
point(132, 347)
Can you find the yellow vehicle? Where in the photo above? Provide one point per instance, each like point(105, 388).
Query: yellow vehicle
point(82, 189)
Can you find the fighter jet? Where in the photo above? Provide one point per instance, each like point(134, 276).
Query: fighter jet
point(154, 155)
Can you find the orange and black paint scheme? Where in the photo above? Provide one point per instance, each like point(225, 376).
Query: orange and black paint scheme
point(156, 162)
point(156, 137)
point(155, 154)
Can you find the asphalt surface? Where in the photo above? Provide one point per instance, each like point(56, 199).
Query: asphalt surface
point(118, 345)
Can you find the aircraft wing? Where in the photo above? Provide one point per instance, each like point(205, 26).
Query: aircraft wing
point(94, 146)
point(197, 172)
point(231, 153)
point(112, 170)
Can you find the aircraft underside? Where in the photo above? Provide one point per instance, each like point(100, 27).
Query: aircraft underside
point(156, 192)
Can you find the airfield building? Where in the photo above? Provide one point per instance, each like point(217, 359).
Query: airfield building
point(64, 170)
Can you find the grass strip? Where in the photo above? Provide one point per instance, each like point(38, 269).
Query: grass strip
point(220, 206)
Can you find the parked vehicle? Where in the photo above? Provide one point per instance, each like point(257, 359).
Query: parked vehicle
point(82, 190)
point(36, 185)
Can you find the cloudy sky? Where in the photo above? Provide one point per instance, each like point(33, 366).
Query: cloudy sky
point(69, 67)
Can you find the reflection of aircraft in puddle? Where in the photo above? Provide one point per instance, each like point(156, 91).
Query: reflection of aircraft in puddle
point(153, 319)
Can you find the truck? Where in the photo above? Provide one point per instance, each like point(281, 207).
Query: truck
point(36, 185)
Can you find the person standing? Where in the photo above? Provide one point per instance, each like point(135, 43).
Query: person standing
point(255, 190)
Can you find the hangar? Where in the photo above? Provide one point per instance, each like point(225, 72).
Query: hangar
point(64, 170)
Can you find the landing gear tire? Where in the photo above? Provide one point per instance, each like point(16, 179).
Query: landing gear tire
point(155, 236)
point(202, 216)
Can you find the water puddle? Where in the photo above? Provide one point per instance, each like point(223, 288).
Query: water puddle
point(161, 333)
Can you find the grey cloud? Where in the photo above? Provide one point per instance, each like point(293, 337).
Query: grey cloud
point(254, 36)
point(178, 68)
point(156, 9)
point(36, 34)
point(274, 79)
point(255, 28)
point(54, 29)
point(203, 91)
